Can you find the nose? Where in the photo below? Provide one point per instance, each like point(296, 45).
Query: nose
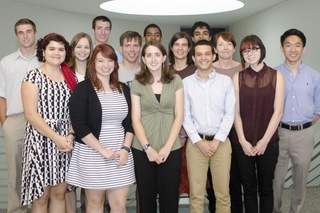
point(25, 35)
point(131, 48)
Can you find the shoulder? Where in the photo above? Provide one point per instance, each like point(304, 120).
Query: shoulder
point(10, 58)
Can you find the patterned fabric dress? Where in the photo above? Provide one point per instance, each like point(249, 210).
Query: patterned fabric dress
point(43, 165)
point(88, 168)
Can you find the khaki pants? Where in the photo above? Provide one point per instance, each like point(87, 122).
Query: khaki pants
point(219, 164)
point(14, 129)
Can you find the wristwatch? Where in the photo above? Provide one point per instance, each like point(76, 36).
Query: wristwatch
point(145, 147)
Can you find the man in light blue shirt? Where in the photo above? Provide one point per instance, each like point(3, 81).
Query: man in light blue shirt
point(209, 115)
point(301, 111)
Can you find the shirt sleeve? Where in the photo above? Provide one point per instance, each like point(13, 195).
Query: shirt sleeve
point(317, 94)
point(2, 80)
point(229, 110)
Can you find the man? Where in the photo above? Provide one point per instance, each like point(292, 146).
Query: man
point(200, 31)
point(152, 32)
point(12, 71)
point(101, 28)
point(209, 115)
point(130, 47)
point(301, 111)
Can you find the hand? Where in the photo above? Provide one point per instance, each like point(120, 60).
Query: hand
point(62, 143)
point(108, 154)
point(260, 148)
point(214, 144)
point(164, 153)
point(123, 157)
point(153, 155)
point(247, 148)
point(205, 147)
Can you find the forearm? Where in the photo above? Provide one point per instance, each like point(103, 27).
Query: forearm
point(93, 142)
point(239, 128)
point(140, 133)
point(175, 129)
point(272, 126)
point(128, 139)
point(3, 110)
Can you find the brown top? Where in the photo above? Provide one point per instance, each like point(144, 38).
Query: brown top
point(256, 94)
point(189, 70)
point(229, 72)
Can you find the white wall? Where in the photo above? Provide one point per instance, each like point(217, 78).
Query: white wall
point(269, 25)
point(47, 21)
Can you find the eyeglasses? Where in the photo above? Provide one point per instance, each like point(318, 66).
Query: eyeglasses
point(252, 50)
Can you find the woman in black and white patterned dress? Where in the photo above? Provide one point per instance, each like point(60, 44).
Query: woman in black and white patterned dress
point(45, 96)
point(102, 161)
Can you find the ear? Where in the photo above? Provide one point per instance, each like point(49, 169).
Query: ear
point(281, 48)
point(304, 50)
point(164, 58)
point(215, 50)
point(193, 59)
point(120, 49)
point(144, 61)
point(161, 39)
point(144, 39)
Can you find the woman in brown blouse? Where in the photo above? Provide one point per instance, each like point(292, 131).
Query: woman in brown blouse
point(260, 97)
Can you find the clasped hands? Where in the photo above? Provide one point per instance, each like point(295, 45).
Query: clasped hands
point(109, 154)
point(158, 157)
point(208, 148)
point(64, 144)
point(250, 150)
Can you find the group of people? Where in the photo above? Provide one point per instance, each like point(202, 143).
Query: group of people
point(173, 123)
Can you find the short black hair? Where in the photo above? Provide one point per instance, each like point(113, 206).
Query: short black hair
point(203, 42)
point(101, 18)
point(294, 32)
point(200, 24)
point(151, 26)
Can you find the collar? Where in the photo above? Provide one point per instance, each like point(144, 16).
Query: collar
point(260, 73)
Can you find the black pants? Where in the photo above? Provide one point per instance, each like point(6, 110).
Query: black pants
point(257, 174)
point(153, 179)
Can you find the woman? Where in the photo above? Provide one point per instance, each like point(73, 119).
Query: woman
point(157, 115)
point(260, 97)
point(81, 48)
point(49, 135)
point(224, 46)
point(180, 58)
point(102, 161)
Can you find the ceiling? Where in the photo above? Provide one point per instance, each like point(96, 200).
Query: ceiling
point(92, 7)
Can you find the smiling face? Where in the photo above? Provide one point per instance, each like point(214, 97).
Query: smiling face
point(130, 50)
point(201, 34)
point(293, 49)
point(82, 49)
point(180, 48)
point(252, 55)
point(153, 59)
point(55, 53)
point(224, 49)
point(203, 57)
point(152, 33)
point(25, 35)
point(101, 32)
point(103, 66)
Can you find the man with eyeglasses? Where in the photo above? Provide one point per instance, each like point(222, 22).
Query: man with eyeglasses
point(301, 111)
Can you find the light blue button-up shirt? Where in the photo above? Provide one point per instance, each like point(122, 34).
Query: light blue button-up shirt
point(209, 106)
point(302, 95)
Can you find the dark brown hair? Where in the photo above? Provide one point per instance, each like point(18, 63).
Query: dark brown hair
point(249, 42)
point(174, 38)
point(145, 76)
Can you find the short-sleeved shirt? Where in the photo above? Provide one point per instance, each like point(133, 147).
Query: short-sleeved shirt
point(157, 117)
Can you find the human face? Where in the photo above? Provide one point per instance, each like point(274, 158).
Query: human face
point(252, 55)
point(203, 57)
point(201, 34)
point(104, 66)
point(225, 49)
point(55, 53)
point(153, 59)
point(180, 48)
point(101, 32)
point(82, 49)
point(130, 50)
point(153, 33)
point(26, 35)
point(293, 49)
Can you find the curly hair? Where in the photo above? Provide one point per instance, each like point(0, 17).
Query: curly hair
point(106, 51)
point(42, 44)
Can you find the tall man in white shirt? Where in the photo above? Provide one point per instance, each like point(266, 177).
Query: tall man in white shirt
point(12, 71)
point(209, 115)
point(101, 29)
point(130, 47)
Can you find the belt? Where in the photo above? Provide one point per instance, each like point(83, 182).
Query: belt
point(206, 137)
point(295, 127)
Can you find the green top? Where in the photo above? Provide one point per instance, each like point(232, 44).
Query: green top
point(157, 117)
